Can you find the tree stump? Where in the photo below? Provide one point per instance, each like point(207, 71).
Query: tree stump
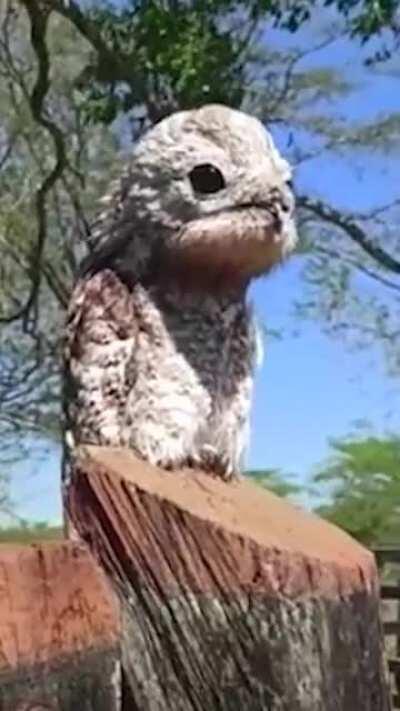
point(59, 632)
point(231, 598)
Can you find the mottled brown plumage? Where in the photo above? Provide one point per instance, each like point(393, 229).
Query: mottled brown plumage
point(160, 343)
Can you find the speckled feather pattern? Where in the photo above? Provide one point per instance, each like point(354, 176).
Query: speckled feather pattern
point(160, 342)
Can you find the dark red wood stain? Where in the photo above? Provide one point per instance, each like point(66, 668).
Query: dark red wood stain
point(59, 630)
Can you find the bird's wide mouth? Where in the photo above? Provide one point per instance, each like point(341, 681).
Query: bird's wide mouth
point(265, 209)
point(229, 247)
point(264, 206)
point(247, 237)
point(241, 223)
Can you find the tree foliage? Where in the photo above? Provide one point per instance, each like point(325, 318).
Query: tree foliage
point(27, 533)
point(365, 18)
point(363, 485)
point(79, 82)
point(274, 481)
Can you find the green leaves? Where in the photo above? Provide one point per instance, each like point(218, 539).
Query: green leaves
point(27, 532)
point(361, 485)
point(275, 481)
point(171, 53)
point(112, 64)
point(363, 479)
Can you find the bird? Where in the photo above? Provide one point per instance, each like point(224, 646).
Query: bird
point(160, 341)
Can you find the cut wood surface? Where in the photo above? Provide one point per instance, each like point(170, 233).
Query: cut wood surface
point(231, 598)
point(59, 631)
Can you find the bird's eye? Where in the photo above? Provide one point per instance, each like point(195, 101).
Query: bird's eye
point(290, 184)
point(206, 179)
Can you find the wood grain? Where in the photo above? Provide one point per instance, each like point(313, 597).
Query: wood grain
point(59, 631)
point(231, 598)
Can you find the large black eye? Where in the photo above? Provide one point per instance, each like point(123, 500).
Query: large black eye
point(206, 179)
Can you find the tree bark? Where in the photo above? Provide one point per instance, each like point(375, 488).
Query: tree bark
point(59, 631)
point(231, 598)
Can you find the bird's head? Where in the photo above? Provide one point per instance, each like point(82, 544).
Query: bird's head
point(206, 197)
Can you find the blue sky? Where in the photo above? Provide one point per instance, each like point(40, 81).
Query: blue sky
point(310, 388)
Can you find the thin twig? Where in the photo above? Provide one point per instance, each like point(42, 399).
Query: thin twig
point(347, 259)
point(290, 68)
point(352, 229)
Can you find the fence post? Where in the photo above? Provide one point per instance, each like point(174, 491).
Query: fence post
point(231, 598)
point(390, 593)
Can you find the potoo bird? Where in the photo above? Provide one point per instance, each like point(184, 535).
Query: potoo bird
point(160, 341)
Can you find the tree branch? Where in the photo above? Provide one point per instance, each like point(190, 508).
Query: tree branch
point(290, 69)
point(116, 66)
point(39, 21)
point(58, 288)
point(352, 229)
point(346, 259)
point(72, 12)
point(7, 152)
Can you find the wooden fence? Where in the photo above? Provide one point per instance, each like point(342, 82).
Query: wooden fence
point(390, 593)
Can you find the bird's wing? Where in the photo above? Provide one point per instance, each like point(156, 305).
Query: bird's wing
point(99, 359)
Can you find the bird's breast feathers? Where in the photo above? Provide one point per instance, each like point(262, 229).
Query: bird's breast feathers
point(172, 383)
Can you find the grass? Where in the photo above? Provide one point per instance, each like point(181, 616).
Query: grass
point(31, 534)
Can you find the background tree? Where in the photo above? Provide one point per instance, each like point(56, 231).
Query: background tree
point(275, 481)
point(362, 482)
point(79, 82)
